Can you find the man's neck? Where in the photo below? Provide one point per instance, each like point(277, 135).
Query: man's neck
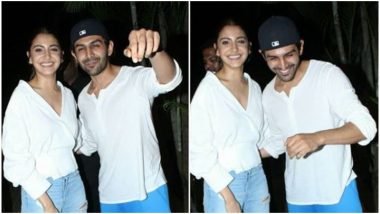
point(102, 80)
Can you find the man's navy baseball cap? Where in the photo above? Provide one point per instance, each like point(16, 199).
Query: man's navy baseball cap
point(277, 32)
point(87, 27)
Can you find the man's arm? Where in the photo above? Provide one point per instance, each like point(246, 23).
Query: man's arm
point(145, 44)
point(300, 145)
point(164, 67)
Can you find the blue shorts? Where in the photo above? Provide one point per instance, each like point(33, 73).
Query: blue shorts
point(349, 203)
point(156, 201)
point(250, 189)
point(67, 194)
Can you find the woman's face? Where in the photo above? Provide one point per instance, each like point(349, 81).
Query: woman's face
point(45, 54)
point(233, 46)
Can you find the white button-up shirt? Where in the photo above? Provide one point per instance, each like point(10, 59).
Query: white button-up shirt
point(37, 142)
point(323, 99)
point(224, 136)
point(118, 124)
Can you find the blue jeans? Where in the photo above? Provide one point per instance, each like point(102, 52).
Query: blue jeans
point(67, 194)
point(349, 203)
point(250, 189)
point(156, 201)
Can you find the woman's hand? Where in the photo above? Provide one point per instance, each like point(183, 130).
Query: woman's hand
point(47, 203)
point(50, 209)
point(232, 205)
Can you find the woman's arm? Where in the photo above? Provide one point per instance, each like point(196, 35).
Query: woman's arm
point(47, 203)
point(232, 205)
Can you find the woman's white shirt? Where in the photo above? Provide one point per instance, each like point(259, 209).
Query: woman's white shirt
point(224, 136)
point(37, 142)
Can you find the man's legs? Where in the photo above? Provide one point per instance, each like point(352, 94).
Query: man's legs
point(292, 208)
point(349, 203)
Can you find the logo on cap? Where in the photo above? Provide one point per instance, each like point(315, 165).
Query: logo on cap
point(82, 32)
point(275, 43)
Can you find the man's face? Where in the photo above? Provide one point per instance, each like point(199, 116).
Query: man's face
point(284, 61)
point(92, 54)
point(210, 60)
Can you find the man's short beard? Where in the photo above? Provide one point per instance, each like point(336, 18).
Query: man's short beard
point(296, 67)
point(99, 69)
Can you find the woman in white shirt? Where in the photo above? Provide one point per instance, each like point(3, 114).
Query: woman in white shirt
point(226, 122)
point(39, 134)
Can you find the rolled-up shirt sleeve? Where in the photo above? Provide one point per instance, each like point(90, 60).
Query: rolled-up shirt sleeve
point(157, 88)
point(346, 105)
point(203, 155)
point(19, 163)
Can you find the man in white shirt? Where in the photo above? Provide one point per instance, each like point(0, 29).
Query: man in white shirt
point(313, 107)
point(116, 116)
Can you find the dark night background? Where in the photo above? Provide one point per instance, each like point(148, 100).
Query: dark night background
point(20, 19)
point(206, 16)
point(314, 21)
